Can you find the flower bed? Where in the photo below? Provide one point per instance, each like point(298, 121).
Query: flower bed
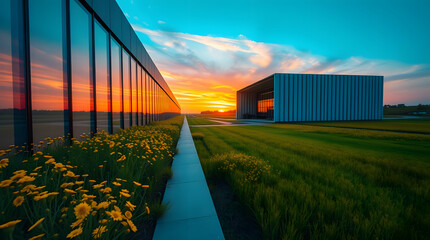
point(99, 187)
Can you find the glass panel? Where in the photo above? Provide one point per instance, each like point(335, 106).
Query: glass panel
point(116, 85)
point(6, 83)
point(80, 22)
point(145, 97)
point(47, 85)
point(101, 48)
point(139, 95)
point(133, 92)
point(126, 83)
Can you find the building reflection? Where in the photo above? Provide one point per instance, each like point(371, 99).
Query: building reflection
point(76, 62)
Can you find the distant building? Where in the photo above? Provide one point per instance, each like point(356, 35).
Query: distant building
point(286, 97)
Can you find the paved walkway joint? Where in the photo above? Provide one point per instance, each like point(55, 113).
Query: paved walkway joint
point(191, 213)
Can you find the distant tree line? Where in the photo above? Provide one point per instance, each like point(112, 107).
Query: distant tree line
point(218, 112)
point(402, 109)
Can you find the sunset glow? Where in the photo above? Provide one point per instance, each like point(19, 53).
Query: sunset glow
point(207, 52)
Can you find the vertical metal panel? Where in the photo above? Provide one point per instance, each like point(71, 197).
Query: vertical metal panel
point(381, 98)
point(323, 98)
point(308, 98)
point(295, 97)
point(299, 97)
point(365, 98)
point(356, 97)
point(340, 97)
point(317, 98)
point(286, 88)
point(314, 97)
point(304, 97)
point(350, 93)
point(290, 97)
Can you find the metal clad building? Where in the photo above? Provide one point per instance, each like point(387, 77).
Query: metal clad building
point(287, 97)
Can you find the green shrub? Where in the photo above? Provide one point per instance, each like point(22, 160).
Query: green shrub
point(198, 136)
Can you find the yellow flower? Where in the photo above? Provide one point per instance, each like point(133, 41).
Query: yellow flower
point(92, 181)
point(64, 209)
point(137, 184)
point(132, 226)
point(145, 186)
point(37, 168)
point(106, 190)
point(6, 183)
point(103, 205)
point(130, 206)
point(51, 160)
point(79, 182)
point(147, 210)
point(122, 158)
point(128, 214)
point(100, 166)
point(38, 237)
point(124, 194)
point(4, 162)
point(115, 215)
point(74, 233)
point(66, 190)
point(10, 224)
point(124, 190)
point(116, 183)
point(98, 186)
point(70, 174)
point(18, 201)
point(36, 224)
point(77, 222)
point(82, 210)
point(99, 231)
point(52, 194)
point(26, 179)
point(103, 221)
point(88, 196)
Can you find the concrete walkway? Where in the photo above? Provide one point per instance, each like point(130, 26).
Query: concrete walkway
point(191, 213)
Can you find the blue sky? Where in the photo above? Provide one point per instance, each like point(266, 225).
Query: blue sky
point(208, 49)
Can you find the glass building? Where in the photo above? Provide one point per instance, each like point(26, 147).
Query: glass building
point(287, 97)
point(69, 67)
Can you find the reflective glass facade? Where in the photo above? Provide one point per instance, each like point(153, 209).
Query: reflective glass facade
point(69, 69)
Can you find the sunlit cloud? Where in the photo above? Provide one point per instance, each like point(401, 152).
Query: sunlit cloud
point(204, 72)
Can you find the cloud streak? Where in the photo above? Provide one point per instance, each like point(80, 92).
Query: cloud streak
point(205, 72)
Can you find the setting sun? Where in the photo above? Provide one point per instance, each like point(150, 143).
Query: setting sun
point(221, 110)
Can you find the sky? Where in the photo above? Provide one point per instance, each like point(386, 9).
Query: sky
point(207, 50)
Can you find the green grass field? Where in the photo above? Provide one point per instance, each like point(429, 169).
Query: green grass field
point(399, 125)
point(312, 182)
point(200, 121)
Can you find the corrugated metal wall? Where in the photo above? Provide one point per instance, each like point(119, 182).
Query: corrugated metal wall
point(316, 97)
point(246, 104)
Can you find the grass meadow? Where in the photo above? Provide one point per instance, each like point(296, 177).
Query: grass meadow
point(102, 187)
point(200, 121)
point(399, 125)
point(313, 182)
